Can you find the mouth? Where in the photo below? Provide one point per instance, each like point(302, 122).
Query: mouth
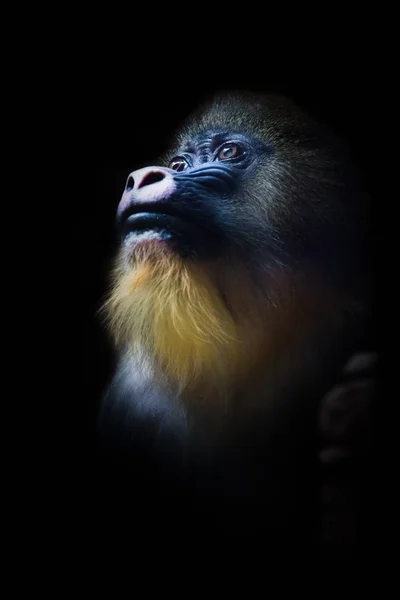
point(168, 225)
point(157, 222)
point(165, 219)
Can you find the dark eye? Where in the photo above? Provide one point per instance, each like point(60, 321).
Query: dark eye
point(178, 164)
point(229, 151)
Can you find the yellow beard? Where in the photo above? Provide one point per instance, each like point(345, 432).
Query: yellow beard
point(172, 311)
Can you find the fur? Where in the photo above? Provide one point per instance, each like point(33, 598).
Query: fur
point(176, 312)
point(172, 311)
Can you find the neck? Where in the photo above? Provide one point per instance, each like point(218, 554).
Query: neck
point(286, 382)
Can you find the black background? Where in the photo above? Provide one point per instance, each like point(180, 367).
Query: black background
point(132, 94)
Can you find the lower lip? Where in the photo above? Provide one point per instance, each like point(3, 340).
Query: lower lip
point(141, 222)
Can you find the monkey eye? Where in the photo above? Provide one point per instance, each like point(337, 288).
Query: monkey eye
point(179, 163)
point(228, 151)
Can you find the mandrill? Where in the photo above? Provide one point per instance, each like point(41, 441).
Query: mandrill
point(240, 290)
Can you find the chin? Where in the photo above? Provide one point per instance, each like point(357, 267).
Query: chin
point(148, 246)
point(156, 238)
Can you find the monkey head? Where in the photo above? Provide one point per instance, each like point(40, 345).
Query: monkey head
point(242, 249)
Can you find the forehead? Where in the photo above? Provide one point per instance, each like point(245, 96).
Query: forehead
point(254, 117)
point(214, 136)
point(220, 121)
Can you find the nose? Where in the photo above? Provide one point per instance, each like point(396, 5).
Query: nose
point(147, 176)
point(147, 185)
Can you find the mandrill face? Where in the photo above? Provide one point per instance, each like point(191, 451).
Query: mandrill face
point(254, 179)
point(248, 235)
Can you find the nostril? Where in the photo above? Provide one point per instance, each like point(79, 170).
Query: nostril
point(130, 183)
point(150, 178)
